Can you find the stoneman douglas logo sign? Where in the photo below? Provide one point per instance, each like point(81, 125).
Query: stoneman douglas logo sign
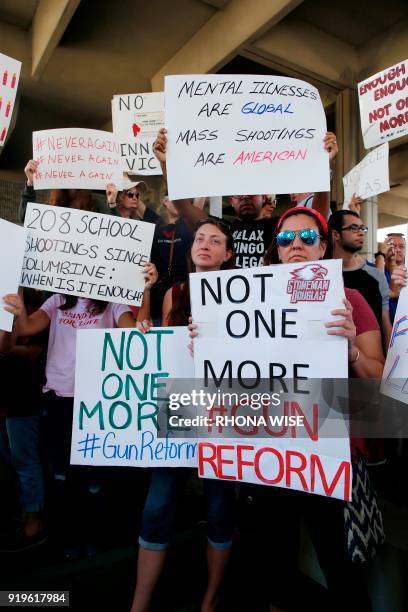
point(308, 283)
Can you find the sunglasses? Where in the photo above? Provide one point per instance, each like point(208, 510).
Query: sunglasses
point(307, 236)
point(132, 194)
point(355, 228)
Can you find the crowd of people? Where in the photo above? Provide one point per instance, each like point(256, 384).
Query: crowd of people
point(188, 240)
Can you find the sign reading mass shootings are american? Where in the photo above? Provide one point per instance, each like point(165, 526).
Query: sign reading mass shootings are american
point(87, 254)
point(240, 134)
point(262, 325)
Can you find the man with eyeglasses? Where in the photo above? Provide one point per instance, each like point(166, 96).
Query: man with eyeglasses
point(348, 234)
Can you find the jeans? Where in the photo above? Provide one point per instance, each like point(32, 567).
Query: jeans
point(23, 435)
point(160, 509)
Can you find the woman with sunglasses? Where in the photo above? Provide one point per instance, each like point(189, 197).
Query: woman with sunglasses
point(212, 250)
point(301, 236)
point(128, 203)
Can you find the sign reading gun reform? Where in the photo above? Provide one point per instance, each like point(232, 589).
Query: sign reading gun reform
point(76, 158)
point(86, 254)
point(136, 119)
point(266, 325)
point(383, 100)
point(232, 134)
point(120, 392)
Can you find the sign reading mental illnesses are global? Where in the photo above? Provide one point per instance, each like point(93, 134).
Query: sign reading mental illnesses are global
point(136, 119)
point(87, 254)
point(368, 178)
point(383, 100)
point(76, 158)
point(9, 76)
point(12, 243)
point(122, 381)
point(262, 329)
point(234, 134)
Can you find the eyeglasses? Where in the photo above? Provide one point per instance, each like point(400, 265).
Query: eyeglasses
point(132, 194)
point(307, 236)
point(356, 228)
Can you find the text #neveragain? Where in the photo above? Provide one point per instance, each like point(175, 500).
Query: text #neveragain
point(121, 392)
point(86, 254)
point(76, 158)
point(383, 100)
point(244, 134)
point(267, 324)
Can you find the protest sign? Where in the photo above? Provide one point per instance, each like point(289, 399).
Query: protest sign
point(368, 178)
point(12, 244)
point(121, 383)
point(383, 100)
point(216, 206)
point(76, 158)
point(234, 134)
point(136, 119)
point(9, 76)
point(266, 325)
point(87, 254)
point(395, 377)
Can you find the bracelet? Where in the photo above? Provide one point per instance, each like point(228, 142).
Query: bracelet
point(357, 358)
point(379, 253)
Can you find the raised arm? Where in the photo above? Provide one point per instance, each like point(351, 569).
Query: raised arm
point(25, 325)
point(321, 200)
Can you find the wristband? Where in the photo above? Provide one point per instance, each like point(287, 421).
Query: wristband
point(379, 253)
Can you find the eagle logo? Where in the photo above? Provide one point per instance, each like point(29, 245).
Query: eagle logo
point(309, 272)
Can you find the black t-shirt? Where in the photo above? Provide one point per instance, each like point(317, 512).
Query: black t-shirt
point(251, 240)
point(368, 287)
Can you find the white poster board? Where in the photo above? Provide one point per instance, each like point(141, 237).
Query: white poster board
point(368, 178)
point(9, 77)
point(261, 324)
point(76, 158)
point(121, 382)
point(136, 119)
point(395, 376)
point(383, 105)
point(12, 245)
point(244, 134)
point(87, 254)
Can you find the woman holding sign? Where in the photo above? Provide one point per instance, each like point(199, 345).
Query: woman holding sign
point(212, 249)
point(302, 236)
point(64, 315)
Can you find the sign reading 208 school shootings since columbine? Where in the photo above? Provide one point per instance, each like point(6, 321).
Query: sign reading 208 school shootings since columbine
point(232, 134)
point(136, 119)
point(87, 254)
point(9, 76)
point(121, 383)
point(368, 178)
point(76, 158)
point(395, 377)
point(12, 242)
point(383, 100)
point(266, 325)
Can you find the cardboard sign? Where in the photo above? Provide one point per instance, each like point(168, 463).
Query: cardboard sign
point(76, 158)
point(9, 77)
point(251, 134)
point(86, 254)
point(395, 377)
point(136, 119)
point(383, 100)
point(368, 178)
point(12, 244)
point(121, 385)
point(267, 325)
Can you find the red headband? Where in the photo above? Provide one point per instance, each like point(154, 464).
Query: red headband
point(308, 211)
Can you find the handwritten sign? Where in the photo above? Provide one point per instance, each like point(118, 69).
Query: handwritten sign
point(86, 254)
point(12, 243)
point(9, 77)
point(136, 119)
point(121, 385)
point(76, 158)
point(368, 178)
point(383, 100)
point(395, 377)
point(234, 134)
point(266, 325)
